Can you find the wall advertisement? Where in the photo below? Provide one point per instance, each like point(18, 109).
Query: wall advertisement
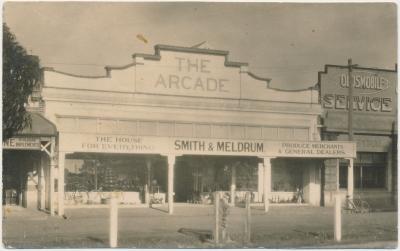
point(374, 91)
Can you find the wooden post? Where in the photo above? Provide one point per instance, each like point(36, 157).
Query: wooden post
point(113, 221)
point(260, 185)
point(42, 185)
point(248, 218)
point(171, 163)
point(267, 182)
point(146, 195)
point(61, 166)
point(350, 100)
point(233, 185)
point(51, 174)
point(338, 218)
point(147, 186)
point(350, 179)
point(216, 226)
point(96, 187)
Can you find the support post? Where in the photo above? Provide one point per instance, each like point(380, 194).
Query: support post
point(61, 167)
point(260, 186)
point(248, 218)
point(51, 174)
point(350, 179)
point(351, 100)
point(267, 182)
point(216, 210)
point(113, 237)
point(171, 164)
point(233, 185)
point(147, 186)
point(146, 195)
point(42, 185)
point(338, 218)
point(337, 174)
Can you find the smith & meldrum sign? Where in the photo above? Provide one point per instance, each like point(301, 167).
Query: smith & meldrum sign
point(70, 142)
point(374, 91)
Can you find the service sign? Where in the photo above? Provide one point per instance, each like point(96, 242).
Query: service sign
point(374, 91)
point(199, 146)
point(188, 74)
point(22, 143)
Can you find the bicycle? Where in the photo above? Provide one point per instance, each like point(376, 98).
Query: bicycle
point(356, 205)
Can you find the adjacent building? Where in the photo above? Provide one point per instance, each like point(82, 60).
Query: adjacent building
point(375, 130)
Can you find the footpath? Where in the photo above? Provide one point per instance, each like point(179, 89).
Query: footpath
point(281, 227)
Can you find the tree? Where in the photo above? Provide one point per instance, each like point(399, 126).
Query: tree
point(21, 72)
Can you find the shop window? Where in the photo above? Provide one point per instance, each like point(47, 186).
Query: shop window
point(343, 176)
point(373, 176)
point(369, 171)
point(103, 175)
point(286, 178)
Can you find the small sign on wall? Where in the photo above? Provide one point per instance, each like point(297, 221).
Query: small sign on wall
point(22, 143)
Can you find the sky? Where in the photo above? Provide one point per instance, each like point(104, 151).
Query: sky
point(287, 42)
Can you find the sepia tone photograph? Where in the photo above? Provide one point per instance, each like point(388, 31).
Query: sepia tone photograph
point(199, 125)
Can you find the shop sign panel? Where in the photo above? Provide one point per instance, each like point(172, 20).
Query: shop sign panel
point(188, 74)
point(374, 91)
point(322, 149)
point(199, 146)
point(22, 143)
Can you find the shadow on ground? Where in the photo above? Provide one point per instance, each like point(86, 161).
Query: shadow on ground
point(201, 234)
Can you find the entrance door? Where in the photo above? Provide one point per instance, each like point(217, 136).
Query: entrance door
point(12, 183)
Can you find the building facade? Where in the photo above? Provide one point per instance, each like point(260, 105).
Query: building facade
point(177, 125)
point(375, 131)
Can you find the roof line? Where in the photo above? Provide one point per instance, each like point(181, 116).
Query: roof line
point(72, 74)
point(160, 47)
point(357, 67)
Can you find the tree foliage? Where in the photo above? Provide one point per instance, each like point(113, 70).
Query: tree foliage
point(20, 74)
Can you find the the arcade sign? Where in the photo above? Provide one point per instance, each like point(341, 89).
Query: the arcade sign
point(373, 90)
point(188, 74)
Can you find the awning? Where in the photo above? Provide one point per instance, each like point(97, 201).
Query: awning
point(40, 126)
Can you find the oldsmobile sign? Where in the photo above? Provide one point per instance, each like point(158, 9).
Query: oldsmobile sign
point(374, 91)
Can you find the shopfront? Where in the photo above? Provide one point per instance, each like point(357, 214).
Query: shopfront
point(179, 124)
point(27, 160)
point(374, 126)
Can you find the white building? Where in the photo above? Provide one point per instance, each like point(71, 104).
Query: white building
point(183, 122)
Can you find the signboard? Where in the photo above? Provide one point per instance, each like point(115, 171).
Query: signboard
point(199, 146)
point(189, 74)
point(22, 143)
point(327, 149)
point(374, 91)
